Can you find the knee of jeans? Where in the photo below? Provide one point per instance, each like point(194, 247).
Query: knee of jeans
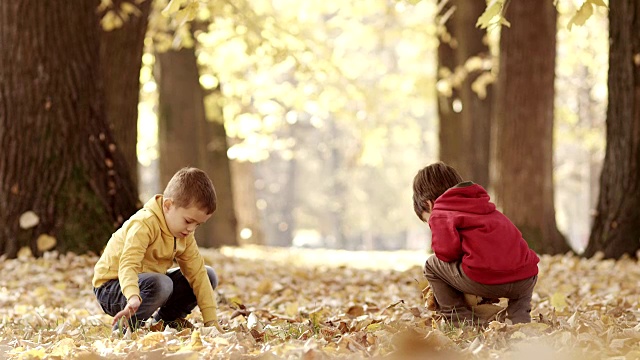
point(213, 277)
point(428, 266)
point(162, 285)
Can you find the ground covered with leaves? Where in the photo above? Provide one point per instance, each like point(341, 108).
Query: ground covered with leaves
point(304, 304)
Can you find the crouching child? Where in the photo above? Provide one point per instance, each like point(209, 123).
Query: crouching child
point(477, 249)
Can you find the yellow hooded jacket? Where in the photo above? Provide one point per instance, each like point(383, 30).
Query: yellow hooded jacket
point(144, 244)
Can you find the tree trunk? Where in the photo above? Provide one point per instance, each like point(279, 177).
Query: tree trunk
point(186, 138)
point(476, 111)
point(524, 124)
point(450, 120)
point(465, 118)
point(58, 156)
point(121, 55)
point(616, 227)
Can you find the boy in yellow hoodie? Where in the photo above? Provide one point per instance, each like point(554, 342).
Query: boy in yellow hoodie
point(133, 277)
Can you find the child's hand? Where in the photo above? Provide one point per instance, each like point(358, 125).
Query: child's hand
point(132, 306)
point(216, 324)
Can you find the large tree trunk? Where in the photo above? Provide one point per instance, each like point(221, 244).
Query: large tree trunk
point(524, 124)
point(476, 110)
point(186, 138)
point(451, 149)
point(58, 155)
point(465, 118)
point(121, 56)
point(616, 227)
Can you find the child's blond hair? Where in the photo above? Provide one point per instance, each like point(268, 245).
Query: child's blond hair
point(191, 186)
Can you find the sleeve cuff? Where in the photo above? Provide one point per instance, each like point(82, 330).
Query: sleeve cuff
point(209, 314)
point(130, 291)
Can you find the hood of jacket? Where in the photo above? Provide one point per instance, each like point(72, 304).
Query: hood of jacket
point(466, 197)
point(154, 205)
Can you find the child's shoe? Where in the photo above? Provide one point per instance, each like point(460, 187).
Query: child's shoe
point(178, 324)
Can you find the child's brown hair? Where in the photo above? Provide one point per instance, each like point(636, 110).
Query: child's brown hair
point(191, 186)
point(431, 182)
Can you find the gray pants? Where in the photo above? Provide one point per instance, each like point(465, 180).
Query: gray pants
point(449, 284)
point(171, 293)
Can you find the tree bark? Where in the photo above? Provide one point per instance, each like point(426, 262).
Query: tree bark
point(121, 55)
point(186, 138)
point(616, 227)
point(464, 131)
point(450, 121)
point(476, 111)
point(58, 156)
point(524, 124)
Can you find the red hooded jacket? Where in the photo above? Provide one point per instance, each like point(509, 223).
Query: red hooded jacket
point(466, 227)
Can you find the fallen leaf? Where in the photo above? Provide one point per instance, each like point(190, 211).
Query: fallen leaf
point(46, 242)
point(28, 220)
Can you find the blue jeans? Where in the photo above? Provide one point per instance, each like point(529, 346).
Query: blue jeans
point(171, 293)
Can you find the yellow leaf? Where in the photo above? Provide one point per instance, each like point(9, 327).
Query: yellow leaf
point(581, 16)
point(493, 9)
point(374, 327)
point(152, 338)
point(291, 309)
point(63, 348)
point(108, 21)
point(172, 7)
point(486, 311)
point(60, 286)
point(41, 291)
point(24, 253)
point(196, 341)
point(46, 242)
point(316, 317)
point(37, 353)
point(129, 8)
point(558, 301)
point(235, 301)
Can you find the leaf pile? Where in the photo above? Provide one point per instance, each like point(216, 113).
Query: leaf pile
point(297, 309)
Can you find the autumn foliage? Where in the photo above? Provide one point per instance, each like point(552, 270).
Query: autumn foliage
point(317, 305)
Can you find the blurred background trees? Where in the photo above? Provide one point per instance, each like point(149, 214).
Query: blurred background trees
point(313, 117)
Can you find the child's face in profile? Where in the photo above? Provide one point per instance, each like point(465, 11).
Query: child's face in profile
point(183, 221)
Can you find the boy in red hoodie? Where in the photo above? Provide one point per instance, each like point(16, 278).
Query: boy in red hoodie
point(478, 250)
